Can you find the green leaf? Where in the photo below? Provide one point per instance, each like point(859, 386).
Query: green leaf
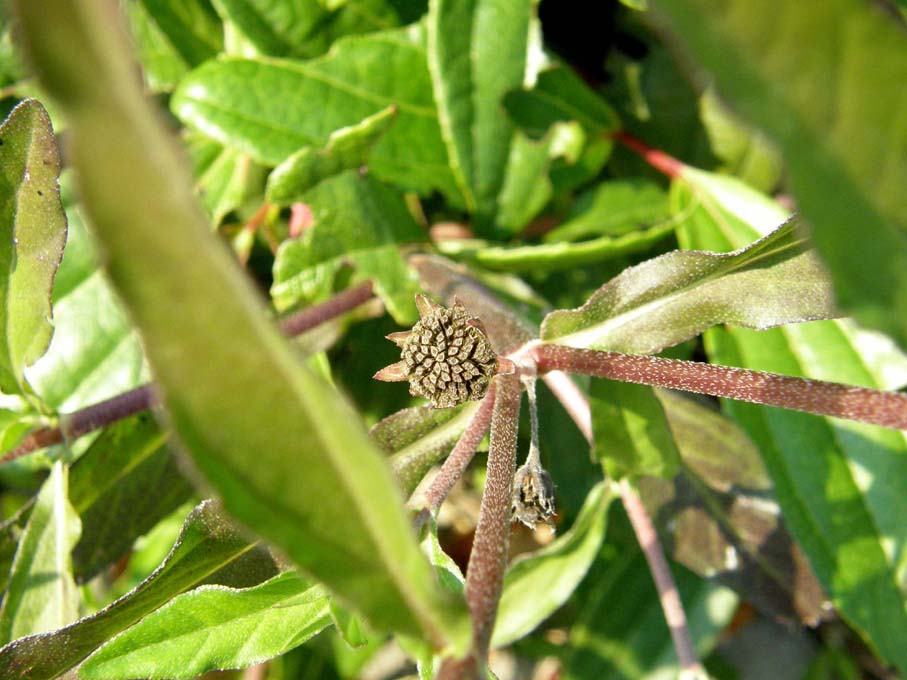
point(237, 102)
point(225, 176)
point(631, 432)
point(268, 434)
point(838, 483)
point(719, 517)
point(32, 234)
point(121, 487)
point(536, 585)
point(346, 149)
point(791, 83)
point(197, 632)
point(358, 220)
point(190, 26)
point(619, 630)
point(554, 256)
point(560, 96)
point(208, 550)
point(477, 52)
point(41, 594)
point(674, 297)
point(162, 65)
point(613, 208)
point(95, 353)
point(419, 438)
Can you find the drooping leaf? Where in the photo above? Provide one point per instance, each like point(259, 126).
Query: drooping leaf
point(674, 297)
point(162, 64)
point(240, 102)
point(346, 149)
point(95, 353)
point(838, 483)
point(191, 27)
point(32, 234)
point(554, 256)
point(537, 585)
point(226, 177)
point(124, 484)
point(264, 431)
point(197, 632)
point(631, 431)
point(791, 82)
point(41, 594)
point(358, 220)
point(209, 550)
point(476, 54)
point(718, 516)
point(613, 208)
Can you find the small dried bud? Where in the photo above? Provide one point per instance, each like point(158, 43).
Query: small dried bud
point(533, 495)
point(446, 357)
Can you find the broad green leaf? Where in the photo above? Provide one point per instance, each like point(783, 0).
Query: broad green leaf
point(560, 96)
point(788, 68)
point(14, 424)
point(420, 437)
point(631, 431)
point(123, 484)
point(198, 631)
point(191, 27)
point(209, 550)
point(225, 177)
point(674, 297)
point(477, 52)
point(243, 103)
point(95, 353)
point(619, 630)
point(838, 483)
point(346, 149)
point(32, 234)
point(719, 517)
point(41, 594)
point(162, 64)
point(303, 28)
point(554, 256)
point(358, 220)
point(268, 434)
point(613, 208)
point(536, 585)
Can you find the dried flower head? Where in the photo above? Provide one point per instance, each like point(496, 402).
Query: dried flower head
point(533, 495)
point(446, 356)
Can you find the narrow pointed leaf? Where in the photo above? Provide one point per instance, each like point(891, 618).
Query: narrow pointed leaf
point(535, 586)
point(674, 297)
point(208, 550)
point(32, 234)
point(788, 68)
point(190, 26)
point(476, 54)
point(264, 430)
point(41, 594)
point(197, 632)
point(347, 149)
point(361, 76)
point(838, 483)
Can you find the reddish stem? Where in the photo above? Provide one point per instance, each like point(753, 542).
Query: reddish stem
point(329, 309)
point(659, 160)
point(488, 559)
point(888, 409)
point(462, 453)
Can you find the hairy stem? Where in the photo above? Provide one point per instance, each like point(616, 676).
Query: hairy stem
point(488, 559)
point(577, 406)
point(462, 453)
point(96, 416)
point(888, 409)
